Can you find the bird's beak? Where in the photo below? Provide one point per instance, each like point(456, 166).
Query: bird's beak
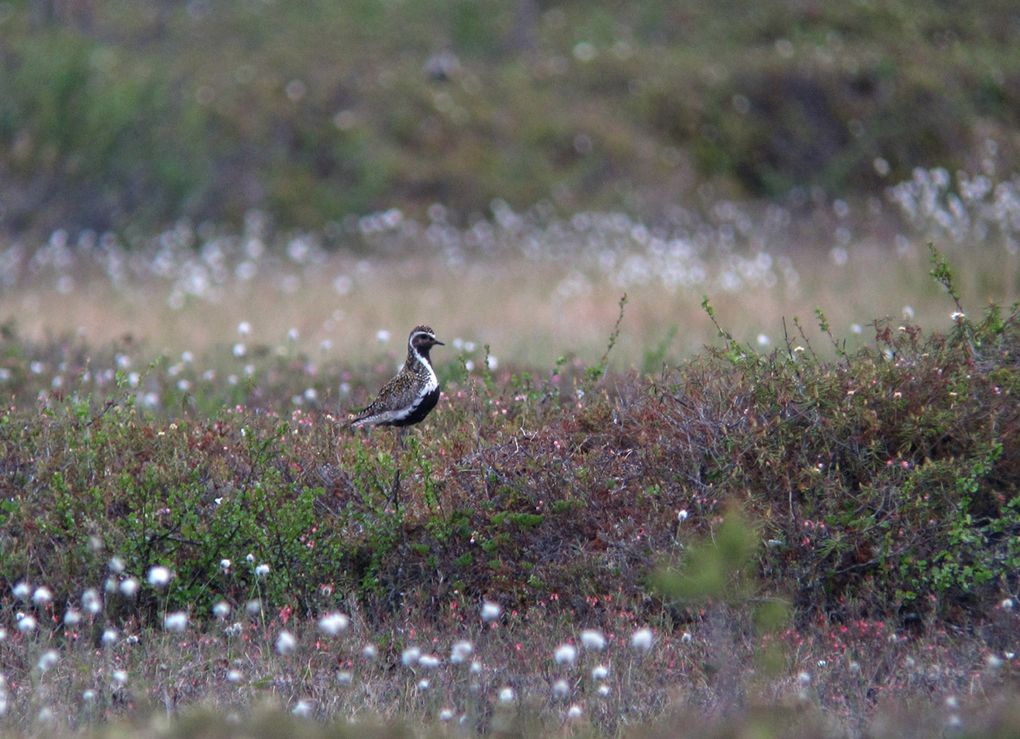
point(437, 341)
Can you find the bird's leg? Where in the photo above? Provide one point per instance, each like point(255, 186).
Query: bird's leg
point(395, 490)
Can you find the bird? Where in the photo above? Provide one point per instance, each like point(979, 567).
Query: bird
point(409, 396)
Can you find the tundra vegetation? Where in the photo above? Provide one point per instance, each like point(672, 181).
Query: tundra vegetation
point(728, 436)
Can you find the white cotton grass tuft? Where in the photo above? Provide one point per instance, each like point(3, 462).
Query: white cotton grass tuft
point(128, 587)
point(506, 695)
point(22, 590)
point(221, 610)
point(91, 601)
point(262, 570)
point(429, 661)
point(72, 617)
point(120, 677)
point(110, 637)
point(491, 611)
point(565, 654)
point(460, 652)
point(641, 640)
point(410, 656)
point(303, 709)
point(285, 643)
point(333, 623)
point(370, 651)
point(446, 714)
point(26, 623)
point(158, 576)
point(560, 689)
point(48, 660)
point(42, 596)
point(593, 639)
point(175, 622)
point(574, 712)
point(599, 672)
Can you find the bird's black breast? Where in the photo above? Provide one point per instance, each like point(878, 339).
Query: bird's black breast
point(427, 404)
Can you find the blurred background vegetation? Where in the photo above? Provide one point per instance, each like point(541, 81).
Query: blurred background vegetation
point(140, 111)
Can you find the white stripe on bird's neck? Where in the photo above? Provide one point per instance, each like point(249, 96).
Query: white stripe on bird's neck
point(433, 381)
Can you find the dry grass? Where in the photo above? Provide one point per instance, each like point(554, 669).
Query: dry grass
point(528, 311)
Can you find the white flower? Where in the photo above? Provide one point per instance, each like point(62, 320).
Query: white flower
point(176, 621)
point(225, 564)
point(119, 677)
point(221, 610)
point(110, 637)
point(446, 714)
point(560, 689)
point(47, 660)
point(303, 709)
point(239, 349)
point(382, 336)
point(42, 595)
point(72, 617)
point(244, 328)
point(369, 651)
point(804, 677)
point(593, 639)
point(234, 629)
point(599, 672)
point(22, 591)
point(641, 640)
point(490, 611)
point(686, 638)
point(26, 623)
point(603, 690)
point(423, 684)
point(253, 607)
point(262, 570)
point(957, 315)
point(410, 656)
point(682, 515)
point(565, 654)
point(506, 695)
point(476, 667)
point(1007, 604)
point(91, 602)
point(429, 661)
point(285, 643)
point(344, 677)
point(993, 661)
point(234, 676)
point(460, 652)
point(333, 623)
point(89, 695)
point(158, 576)
point(128, 587)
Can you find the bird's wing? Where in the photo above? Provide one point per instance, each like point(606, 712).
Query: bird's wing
point(390, 398)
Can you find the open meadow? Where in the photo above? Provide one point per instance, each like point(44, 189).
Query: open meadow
point(807, 527)
point(729, 436)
